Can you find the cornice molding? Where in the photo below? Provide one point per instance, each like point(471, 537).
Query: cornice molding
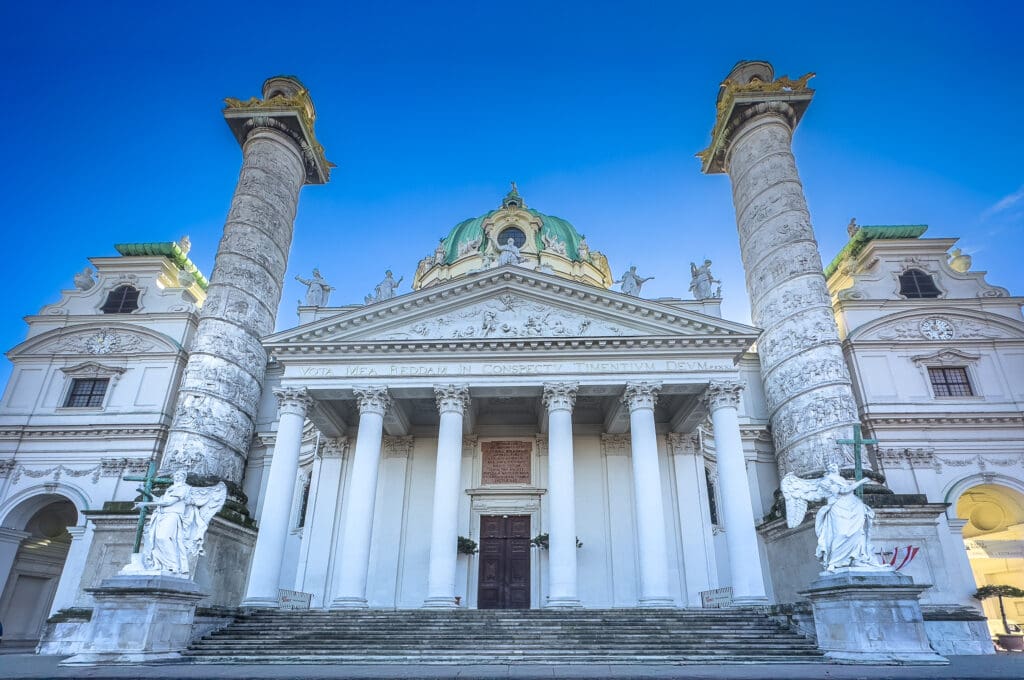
point(123, 431)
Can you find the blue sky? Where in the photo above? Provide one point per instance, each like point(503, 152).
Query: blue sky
point(112, 129)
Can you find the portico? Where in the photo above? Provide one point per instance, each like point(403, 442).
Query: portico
point(424, 419)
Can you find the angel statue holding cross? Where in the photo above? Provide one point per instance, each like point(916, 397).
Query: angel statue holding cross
point(843, 524)
point(174, 535)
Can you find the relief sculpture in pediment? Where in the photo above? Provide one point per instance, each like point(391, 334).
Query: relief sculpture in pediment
point(508, 317)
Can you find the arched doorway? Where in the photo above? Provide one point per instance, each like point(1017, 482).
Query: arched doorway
point(36, 568)
point(994, 539)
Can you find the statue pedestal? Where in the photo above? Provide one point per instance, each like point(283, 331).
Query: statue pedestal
point(870, 617)
point(138, 619)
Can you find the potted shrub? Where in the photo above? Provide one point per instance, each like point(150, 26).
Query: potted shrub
point(541, 541)
point(467, 546)
point(1009, 640)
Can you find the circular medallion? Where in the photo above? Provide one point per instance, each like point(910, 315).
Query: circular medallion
point(937, 328)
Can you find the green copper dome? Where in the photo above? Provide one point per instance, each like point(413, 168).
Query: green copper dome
point(472, 231)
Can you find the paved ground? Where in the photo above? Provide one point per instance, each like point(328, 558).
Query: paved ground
point(999, 666)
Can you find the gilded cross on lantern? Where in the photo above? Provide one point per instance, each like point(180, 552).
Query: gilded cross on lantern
point(146, 490)
point(858, 463)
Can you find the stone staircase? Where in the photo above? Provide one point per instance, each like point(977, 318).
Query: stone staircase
point(724, 636)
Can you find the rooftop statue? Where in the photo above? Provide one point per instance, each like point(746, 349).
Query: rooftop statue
point(385, 290)
point(843, 524)
point(632, 282)
point(173, 539)
point(439, 254)
point(317, 290)
point(553, 244)
point(84, 280)
point(702, 283)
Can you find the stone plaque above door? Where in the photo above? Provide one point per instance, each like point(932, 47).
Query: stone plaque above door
point(506, 462)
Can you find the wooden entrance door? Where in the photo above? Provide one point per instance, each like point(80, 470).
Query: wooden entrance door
point(504, 562)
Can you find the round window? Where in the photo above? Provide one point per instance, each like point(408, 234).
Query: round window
point(517, 236)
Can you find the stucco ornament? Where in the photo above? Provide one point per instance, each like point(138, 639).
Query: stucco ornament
point(385, 290)
point(702, 284)
point(632, 282)
point(843, 524)
point(173, 539)
point(317, 290)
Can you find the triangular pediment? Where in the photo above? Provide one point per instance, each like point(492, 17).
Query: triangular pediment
point(508, 304)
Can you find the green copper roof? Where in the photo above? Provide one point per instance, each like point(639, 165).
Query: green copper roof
point(865, 234)
point(472, 229)
point(172, 251)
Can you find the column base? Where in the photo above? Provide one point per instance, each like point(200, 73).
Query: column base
point(349, 603)
point(656, 602)
point(257, 602)
point(563, 603)
point(440, 602)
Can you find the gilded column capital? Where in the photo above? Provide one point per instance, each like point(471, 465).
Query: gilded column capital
point(751, 90)
point(287, 107)
point(641, 395)
point(372, 399)
point(560, 396)
point(722, 394)
point(294, 400)
point(451, 398)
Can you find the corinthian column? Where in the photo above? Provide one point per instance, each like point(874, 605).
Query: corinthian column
point(220, 390)
point(806, 382)
point(354, 555)
point(265, 569)
point(737, 510)
point(562, 591)
point(650, 511)
point(452, 401)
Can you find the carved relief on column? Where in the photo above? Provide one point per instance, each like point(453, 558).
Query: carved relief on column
point(806, 382)
point(372, 399)
point(214, 418)
point(723, 393)
point(641, 395)
point(294, 400)
point(451, 398)
point(334, 447)
point(560, 396)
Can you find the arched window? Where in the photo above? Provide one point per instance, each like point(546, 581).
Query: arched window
point(518, 237)
point(915, 283)
point(121, 300)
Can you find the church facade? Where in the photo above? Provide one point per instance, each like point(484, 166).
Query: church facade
point(515, 432)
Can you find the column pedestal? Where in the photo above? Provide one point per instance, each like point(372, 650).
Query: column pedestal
point(870, 617)
point(139, 619)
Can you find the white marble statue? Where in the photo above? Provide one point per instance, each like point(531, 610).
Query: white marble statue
point(439, 253)
point(385, 290)
point(632, 282)
point(843, 524)
point(702, 283)
point(317, 290)
point(468, 247)
point(553, 244)
point(584, 249)
point(510, 253)
point(173, 539)
point(84, 280)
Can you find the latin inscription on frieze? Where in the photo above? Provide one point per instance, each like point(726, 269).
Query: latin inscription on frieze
point(506, 462)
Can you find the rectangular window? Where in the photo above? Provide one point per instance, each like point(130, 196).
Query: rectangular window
point(87, 392)
point(950, 382)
